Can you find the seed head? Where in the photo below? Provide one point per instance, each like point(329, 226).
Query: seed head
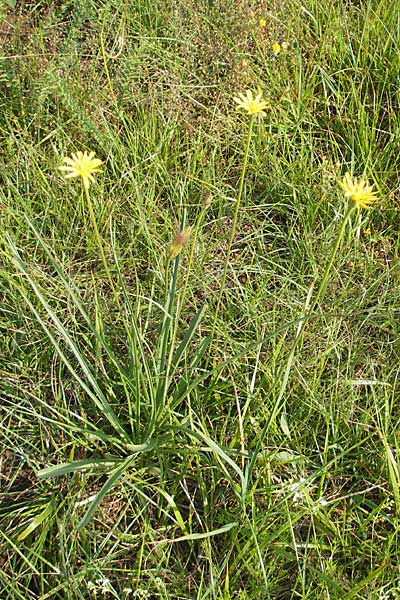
point(207, 200)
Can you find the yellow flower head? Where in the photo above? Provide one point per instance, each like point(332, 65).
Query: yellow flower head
point(262, 23)
point(252, 105)
point(358, 191)
point(276, 48)
point(82, 164)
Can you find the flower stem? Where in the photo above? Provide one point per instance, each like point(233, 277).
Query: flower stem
point(99, 241)
point(191, 256)
point(325, 277)
point(284, 372)
point(234, 224)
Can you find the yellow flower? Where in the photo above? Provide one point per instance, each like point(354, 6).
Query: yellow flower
point(276, 48)
point(82, 164)
point(358, 191)
point(177, 244)
point(262, 23)
point(253, 106)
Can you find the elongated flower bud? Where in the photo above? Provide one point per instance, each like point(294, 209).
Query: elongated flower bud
point(207, 200)
point(177, 244)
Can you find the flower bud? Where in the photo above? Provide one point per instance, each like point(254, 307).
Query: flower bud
point(207, 200)
point(177, 244)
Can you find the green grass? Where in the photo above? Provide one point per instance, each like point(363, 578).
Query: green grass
point(162, 437)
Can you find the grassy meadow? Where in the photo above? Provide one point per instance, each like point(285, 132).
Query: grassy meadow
point(211, 416)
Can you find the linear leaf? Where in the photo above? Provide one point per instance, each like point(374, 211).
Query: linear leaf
point(111, 481)
point(78, 465)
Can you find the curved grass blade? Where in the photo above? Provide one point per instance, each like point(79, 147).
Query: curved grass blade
point(93, 389)
point(38, 520)
point(111, 481)
point(188, 336)
point(72, 467)
point(200, 536)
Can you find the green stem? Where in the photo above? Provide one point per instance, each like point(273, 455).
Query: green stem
point(166, 326)
point(285, 371)
point(99, 241)
point(103, 52)
point(324, 280)
point(234, 224)
point(193, 243)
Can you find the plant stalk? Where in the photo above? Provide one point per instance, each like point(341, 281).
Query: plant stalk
point(234, 224)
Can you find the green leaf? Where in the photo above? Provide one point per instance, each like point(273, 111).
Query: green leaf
point(36, 521)
point(189, 333)
point(72, 467)
point(201, 536)
point(111, 481)
point(91, 385)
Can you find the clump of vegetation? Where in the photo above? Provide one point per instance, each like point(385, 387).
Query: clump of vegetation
point(199, 300)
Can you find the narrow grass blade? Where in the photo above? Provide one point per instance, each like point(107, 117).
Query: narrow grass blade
point(111, 481)
point(215, 448)
point(72, 467)
point(94, 391)
point(200, 536)
point(188, 336)
point(38, 520)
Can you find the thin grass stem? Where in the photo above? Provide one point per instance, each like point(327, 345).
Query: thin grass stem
point(234, 225)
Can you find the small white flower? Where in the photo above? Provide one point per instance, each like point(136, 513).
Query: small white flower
point(103, 584)
point(141, 593)
point(296, 488)
point(92, 588)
